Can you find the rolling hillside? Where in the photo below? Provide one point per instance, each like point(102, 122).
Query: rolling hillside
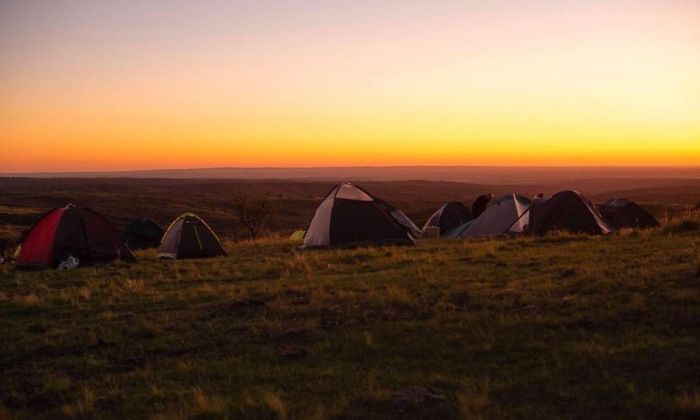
point(561, 326)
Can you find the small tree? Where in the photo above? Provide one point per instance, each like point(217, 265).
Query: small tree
point(252, 212)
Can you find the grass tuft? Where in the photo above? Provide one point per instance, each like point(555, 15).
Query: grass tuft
point(82, 407)
point(275, 404)
point(206, 406)
point(473, 403)
point(31, 300)
point(689, 402)
point(134, 285)
point(682, 226)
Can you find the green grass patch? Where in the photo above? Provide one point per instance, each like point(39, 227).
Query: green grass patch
point(562, 326)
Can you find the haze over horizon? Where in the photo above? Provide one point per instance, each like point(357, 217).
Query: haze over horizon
point(127, 85)
point(564, 176)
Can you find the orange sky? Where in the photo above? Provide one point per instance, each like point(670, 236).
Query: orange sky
point(125, 85)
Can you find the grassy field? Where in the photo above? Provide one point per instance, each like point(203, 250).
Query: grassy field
point(561, 326)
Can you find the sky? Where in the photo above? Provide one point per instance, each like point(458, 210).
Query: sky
point(123, 85)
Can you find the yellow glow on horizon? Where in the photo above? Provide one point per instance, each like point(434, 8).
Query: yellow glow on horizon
point(609, 86)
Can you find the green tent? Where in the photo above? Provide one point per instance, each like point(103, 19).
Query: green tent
point(297, 236)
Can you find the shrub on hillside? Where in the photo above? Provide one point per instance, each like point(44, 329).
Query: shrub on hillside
point(253, 212)
point(682, 226)
point(5, 247)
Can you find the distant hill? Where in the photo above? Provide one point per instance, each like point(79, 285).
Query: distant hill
point(469, 174)
point(686, 193)
point(24, 199)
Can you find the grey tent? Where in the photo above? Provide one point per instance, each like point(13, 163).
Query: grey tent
point(349, 216)
point(507, 214)
point(568, 211)
point(189, 237)
point(621, 213)
point(451, 215)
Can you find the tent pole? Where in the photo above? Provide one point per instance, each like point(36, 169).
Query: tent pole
point(516, 220)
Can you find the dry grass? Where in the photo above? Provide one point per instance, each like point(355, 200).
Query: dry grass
point(31, 299)
point(275, 404)
point(689, 402)
point(561, 326)
point(206, 405)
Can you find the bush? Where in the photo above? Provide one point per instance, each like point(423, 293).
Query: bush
point(5, 247)
point(682, 226)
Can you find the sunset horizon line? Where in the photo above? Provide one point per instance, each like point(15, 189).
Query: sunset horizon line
point(332, 167)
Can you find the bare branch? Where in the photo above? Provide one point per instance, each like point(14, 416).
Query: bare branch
point(252, 212)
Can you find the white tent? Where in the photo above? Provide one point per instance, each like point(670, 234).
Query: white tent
point(349, 216)
point(507, 214)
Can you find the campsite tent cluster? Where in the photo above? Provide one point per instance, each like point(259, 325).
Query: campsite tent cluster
point(348, 216)
point(83, 234)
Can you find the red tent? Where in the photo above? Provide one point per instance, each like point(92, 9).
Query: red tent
point(71, 231)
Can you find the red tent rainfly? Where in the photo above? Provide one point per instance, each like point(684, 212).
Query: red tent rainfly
point(71, 231)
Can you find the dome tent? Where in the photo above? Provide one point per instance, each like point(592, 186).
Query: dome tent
point(508, 214)
point(566, 210)
point(71, 231)
point(143, 233)
point(189, 237)
point(450, 216)
point(621, 213)
point(349, 216)
point(297, 235)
